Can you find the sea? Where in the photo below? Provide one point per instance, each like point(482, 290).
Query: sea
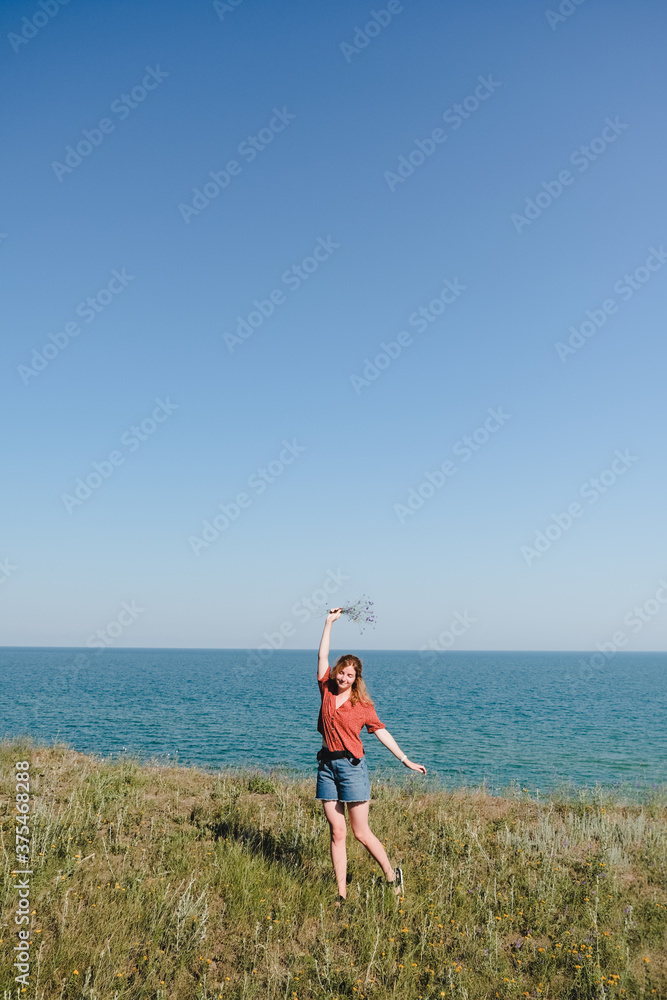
point(535, 721)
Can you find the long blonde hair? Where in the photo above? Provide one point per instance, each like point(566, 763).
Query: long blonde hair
point(358, 692)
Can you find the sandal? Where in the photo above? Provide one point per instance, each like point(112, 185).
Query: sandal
point(340, 901)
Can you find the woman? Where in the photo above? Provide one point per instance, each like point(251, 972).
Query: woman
point(342, 775)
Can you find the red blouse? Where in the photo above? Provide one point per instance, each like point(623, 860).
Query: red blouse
point(341, 727)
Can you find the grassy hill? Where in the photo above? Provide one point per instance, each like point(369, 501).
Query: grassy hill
point(171, 882)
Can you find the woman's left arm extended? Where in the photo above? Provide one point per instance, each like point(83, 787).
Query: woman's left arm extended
point(388, 740)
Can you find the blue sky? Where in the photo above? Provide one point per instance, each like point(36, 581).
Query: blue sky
point(539, 198)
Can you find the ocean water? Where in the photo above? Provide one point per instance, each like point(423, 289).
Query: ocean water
point(536, 719)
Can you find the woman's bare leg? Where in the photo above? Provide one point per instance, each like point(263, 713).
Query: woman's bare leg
point(358, 813)
point(335, 814)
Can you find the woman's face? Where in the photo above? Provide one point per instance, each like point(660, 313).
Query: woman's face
point(346, 677)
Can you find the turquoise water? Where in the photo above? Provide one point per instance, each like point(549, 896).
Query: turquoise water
point(533, 718)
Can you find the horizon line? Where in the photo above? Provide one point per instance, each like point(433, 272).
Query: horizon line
point(306, 649)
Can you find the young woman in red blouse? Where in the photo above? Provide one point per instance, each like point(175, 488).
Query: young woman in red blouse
point(342, 775)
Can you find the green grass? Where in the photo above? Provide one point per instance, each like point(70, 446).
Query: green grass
point(169, 882)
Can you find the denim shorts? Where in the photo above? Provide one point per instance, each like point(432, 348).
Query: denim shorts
point(342, 781)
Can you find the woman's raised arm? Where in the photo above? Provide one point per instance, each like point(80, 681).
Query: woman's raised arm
point(323, 653)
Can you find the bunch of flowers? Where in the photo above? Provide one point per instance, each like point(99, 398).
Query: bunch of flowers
point(360, 612)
